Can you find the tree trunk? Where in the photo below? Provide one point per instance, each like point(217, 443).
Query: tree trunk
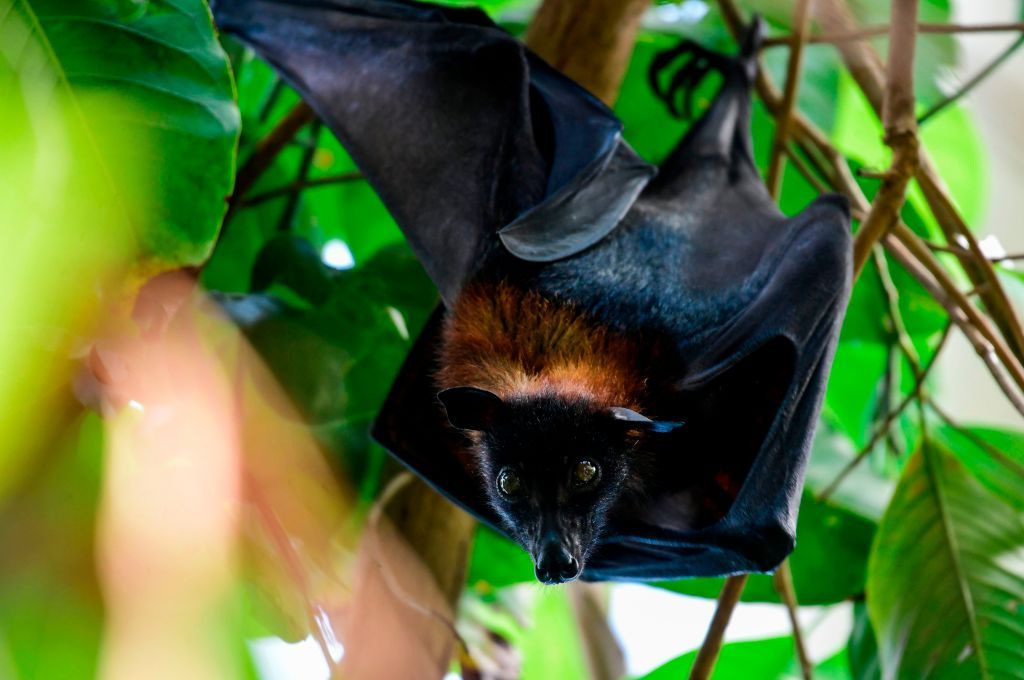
point(590, 41)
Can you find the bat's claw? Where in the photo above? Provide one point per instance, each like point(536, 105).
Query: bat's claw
point(690, 63)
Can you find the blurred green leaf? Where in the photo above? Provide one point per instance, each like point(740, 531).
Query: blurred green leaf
point(551, 645)
point(51, 608)
point(768, 658)
point(495, 561)
point(946, 575)
point(161, 64)
point(863, 649)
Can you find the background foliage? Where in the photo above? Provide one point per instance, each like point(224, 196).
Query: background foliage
point(121, 129)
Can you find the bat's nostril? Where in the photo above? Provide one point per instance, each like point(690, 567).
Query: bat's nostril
point(570, 569)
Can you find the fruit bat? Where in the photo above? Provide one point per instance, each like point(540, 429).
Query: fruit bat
point(627, 364)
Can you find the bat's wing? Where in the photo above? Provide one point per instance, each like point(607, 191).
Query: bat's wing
point(467, 137)
point(756, 377)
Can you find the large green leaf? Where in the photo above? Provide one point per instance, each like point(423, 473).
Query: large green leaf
point(770, 659)
point(995, 457)
point(946, 576)
point(150, 87)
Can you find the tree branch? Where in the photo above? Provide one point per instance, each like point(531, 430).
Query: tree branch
point(588, 40)
point(712, 645)
point(865, 66)
point(266, 151)
point(776, 163)
point(886, 425)
point(783, 581)
point(973, 82)
point(879, 31)
point(298, 186)
point(900, 133)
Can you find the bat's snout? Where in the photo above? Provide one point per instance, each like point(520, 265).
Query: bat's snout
point(555, 563)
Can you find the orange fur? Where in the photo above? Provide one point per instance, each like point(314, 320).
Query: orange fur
point(519, 344)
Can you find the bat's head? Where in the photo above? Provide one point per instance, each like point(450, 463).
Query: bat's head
point(553, 468)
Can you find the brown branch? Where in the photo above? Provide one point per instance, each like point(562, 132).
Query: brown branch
point(590, 41)
point(964, 253)
point(865, 67)
point(776, 163)
point(979, 337)
point(892, 295)
point(806, 171)
point(974, 81)
point(900, 133)
point(783, 581)
point(712, 645)
point(879, 31)
point(266, 151)
point(298, 186)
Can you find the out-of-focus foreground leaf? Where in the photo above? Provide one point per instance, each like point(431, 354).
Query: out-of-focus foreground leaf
point(150, 87)
point(946, 575)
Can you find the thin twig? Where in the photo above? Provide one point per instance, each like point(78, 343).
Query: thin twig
point(982, 323)
point(973, 82)
point(900, 133)
point(296, 187)
point(886, 425)
point(305, 163)
point(266, 151)
point(776, 163)
point(892, 295)
point(712, 645)
point(978, 337)
point(883, 30)
point(784, 585)
point(962, 252)
point(806, 171)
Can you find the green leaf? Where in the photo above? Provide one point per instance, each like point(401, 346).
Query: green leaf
point(496, 562)
point(151, 87)
point(863, 649)
point(995, 458)
point(946, 576)
point(769, 658)
point(865, 492)
point(551, 646)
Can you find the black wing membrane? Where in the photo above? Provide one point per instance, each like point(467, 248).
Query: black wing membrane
point(460, 129)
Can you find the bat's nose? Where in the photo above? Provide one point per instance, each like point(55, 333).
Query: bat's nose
point(555, 564)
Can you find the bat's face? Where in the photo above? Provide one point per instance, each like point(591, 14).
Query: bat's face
point(552, 468)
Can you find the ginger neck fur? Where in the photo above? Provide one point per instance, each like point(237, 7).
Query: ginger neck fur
point(519, 344)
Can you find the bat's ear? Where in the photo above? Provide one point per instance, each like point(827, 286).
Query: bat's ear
point(640, 422)
point(471, 408)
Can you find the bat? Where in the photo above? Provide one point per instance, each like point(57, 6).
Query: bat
point(627, 363)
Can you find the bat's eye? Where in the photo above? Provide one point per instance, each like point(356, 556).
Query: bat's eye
point(585, 473)
point(509, 483)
